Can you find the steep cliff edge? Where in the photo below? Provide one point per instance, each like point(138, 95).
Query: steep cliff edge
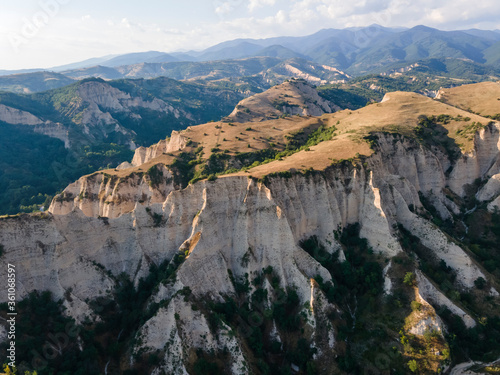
point(18, 117)
point(277, 260)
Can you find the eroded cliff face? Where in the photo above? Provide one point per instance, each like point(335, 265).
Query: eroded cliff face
point(143, 155)
point(101, 195)
point(99, 102)
point(232, 228)
point(289, 98)
point(378, 197)
point(17, 117)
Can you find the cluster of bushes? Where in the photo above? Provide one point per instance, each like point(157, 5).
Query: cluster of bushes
point(430, 132)
point(484, 238)
point(52, 343)
point(355, 276)
point(251, 317)
point(470, 130)
point(281, 105)
point(183, 168)
point(350, 98)
point(48, 341)
point(356, 287)
point(481, 343)
point(155, 176)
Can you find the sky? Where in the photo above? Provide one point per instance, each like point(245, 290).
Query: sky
point(47, 33)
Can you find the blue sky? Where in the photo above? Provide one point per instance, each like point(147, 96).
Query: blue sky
point(45, 33)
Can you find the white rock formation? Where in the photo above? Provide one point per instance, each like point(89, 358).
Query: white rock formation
point(430, 293)
point(17, 117)
point(103, 223)
point(143, 155)
point(109, 196)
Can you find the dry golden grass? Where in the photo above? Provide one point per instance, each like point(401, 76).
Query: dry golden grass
point(237, 137)
point(319, 157)
point(398, 113)
point(234, 137)
point(482, 98)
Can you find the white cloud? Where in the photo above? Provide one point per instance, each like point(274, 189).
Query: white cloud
point(126, 23)
point(281, 17)
point(223, 8)
point(255, 4)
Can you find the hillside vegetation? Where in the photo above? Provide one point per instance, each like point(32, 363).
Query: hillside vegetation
point(90, 125)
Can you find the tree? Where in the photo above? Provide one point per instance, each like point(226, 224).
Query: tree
point(480, 283)
point(413, 365)
point(409, 279)
point(10, 370)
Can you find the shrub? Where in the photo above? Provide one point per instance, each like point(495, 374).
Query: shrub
point(413, 365)
point(409, 279)
point(416, 306)
point(155, 176)
point(480, 282)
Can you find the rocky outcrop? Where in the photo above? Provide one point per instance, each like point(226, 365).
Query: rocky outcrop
point(490, 192)
point(98, 102)
point(482, 162)
point(290, 98)
point(110, 98)
point(424, 319)
point(17, 117)
point(176, 142)
point(101, 195)
point(430, 293)
point(189, 331)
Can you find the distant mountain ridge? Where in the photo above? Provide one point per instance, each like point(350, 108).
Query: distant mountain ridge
point(353, 51)
point(321, 46)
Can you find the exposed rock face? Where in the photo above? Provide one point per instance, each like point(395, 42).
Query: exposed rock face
point(483, 162)
point(491, 192)
point(190, 331)
point(432, 294)
point(17, 117)
point(378, 200)
point(105, 96)
point(290, 98)
point(236, 224)
point(425, 318)
point(99, 101)
point(145, 154)
point(106, 196)
point(94, 111)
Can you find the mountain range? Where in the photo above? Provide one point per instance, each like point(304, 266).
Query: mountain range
point(352, 52)
point(356, 50)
